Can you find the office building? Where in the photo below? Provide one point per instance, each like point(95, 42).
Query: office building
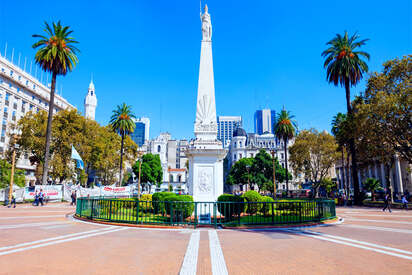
point(141, 132)
point(225, 127)
point(264, 121)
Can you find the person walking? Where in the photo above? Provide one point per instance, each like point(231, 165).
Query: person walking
point(404, 202)
point(387, 203)
point(73, 196)
point(36, 199)
point(13, 199)
point(41, 197)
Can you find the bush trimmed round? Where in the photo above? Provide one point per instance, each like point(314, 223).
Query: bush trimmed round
point(158, 201)
point(181, 204)
point(235, 205)
point(253, 198)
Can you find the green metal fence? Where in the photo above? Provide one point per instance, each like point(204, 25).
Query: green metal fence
point(205, 213)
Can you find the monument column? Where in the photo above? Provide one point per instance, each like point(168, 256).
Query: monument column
point(205, 152)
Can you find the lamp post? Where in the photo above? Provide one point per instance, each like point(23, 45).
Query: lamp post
point(13, 162)
point(140, 156)
point(274, 173)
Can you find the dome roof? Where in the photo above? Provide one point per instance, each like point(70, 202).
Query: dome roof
point(239, 132)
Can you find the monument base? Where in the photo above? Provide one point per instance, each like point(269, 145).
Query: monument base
point(205, 181)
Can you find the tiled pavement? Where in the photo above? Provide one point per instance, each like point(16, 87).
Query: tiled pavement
point(43, 240)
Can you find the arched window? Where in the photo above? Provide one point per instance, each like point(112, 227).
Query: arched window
point(171, 178)
point(159, 148)
point(179, 178)
point(234, 145)
point(240, 144)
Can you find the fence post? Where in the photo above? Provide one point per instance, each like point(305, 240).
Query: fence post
point(110, 210)
point(171, 212)
point(300, 212)
point(92, 209)
point(215, 214)
point(195, 221)
point(137, 211)
point(273, 213)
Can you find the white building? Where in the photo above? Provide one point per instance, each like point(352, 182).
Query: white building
point(245, 145)
point(90, 102)
point(172, 158)
point(20, 93)
point(225, 127)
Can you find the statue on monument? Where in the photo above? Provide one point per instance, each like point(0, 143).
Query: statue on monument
point(206, 25)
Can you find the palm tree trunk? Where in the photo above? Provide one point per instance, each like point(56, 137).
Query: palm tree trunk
point(286, 166)
point(48, 131)
point(121, 160)
point(353, 149)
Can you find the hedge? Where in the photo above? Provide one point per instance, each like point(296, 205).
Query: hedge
point(146, 203)
point(253, 198)
point(158, 201)
point(266, 208)
point(181, 204)
point(230, 209)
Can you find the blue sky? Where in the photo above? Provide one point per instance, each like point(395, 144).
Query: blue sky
point(267, 54)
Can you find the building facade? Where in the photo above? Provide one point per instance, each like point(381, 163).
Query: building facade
point(172, 158)
point(245, 145)
point(90, 102)
point(225, 127)
point(264, 120)
point(140, 134)
point(20, 93)
point(399, 175)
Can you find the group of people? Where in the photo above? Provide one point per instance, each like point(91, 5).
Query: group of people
point(387, 200)
point(39, 198)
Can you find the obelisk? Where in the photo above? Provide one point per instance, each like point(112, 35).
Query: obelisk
point(205, 152)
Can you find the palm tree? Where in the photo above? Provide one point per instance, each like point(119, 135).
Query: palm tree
point(338, 130)
point(372, 185)
point(285, 129)
point(56, 55)
point(122, 123)
point(345, 66)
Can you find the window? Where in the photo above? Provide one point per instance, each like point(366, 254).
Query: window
point(159, 148)
point(11, 73)
point(240, 144)
point(34, 87)
point(171, 178)
point(27, 83)
point(179, 178)
point(19, 78)
point(240, 155)
point(234, 156)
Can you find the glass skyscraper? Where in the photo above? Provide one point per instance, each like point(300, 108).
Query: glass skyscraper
point(264, 121)
point(141, 131)
point(225, 127)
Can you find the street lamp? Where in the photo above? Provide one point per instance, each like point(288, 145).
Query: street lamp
point(274, 172)
point(13, 162)
point(140, 157)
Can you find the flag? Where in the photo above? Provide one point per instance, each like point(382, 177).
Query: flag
point(76, 156)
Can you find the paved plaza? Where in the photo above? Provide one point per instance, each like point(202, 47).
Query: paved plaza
point(47, 240)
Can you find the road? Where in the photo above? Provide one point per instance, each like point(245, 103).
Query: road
point(46, 240)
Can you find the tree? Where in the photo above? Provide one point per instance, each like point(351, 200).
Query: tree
point(151, 169)
point(5, 175)
point(122, 123)
point(372, 185)
point(345, 66)
point(240, 172)
point(341, 132)
point(314, 154)
point(285, 129)
point(328, 185)
point(56, 55)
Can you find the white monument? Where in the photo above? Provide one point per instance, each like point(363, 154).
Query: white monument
point(205, 152)
point(90, 102)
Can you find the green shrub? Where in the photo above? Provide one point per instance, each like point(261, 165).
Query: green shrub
point(266, 207)
point(146, 203)
point(235, 205)
point(158, 202)
point(253, 198)
point(182, 205)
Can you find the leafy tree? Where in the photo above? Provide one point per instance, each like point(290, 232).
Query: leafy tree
point(328, 185)
point(56, 55)
point(341, 131)
point(240, 173)
point(285, 129)
point(314, 154)
point(372, 185)
point(151, 169)
point(345, 66)
point(5, 175)
point(122, 122)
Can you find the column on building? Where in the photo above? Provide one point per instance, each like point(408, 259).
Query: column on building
point(398, 174)
point(383, 178)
